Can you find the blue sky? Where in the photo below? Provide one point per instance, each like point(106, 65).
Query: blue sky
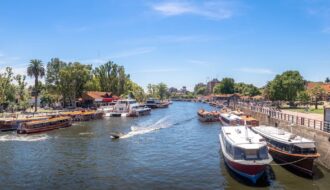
point(177, 42)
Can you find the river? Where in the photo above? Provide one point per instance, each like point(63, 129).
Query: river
point(170, 149)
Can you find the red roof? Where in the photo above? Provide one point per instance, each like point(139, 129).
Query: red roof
point(99, 95)
point(325, 86)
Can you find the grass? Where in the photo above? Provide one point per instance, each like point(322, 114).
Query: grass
point(320, 110)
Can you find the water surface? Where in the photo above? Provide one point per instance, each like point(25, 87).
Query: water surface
point(170, 149)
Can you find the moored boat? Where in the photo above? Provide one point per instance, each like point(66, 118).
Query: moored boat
point(107, 109)
point(206, 116)
point(13, 123)
point(139, 110)
point(152, 103)
point(249, 121)
point(244, 151)
point(289, 149)
point(230, 119)
point(44, 125)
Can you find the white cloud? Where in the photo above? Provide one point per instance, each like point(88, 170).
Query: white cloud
point(257, 71)
point(217, 10)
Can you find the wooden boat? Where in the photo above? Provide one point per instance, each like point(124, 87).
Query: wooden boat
point(44, 125)
point(13, 123)
point(249, 121)
point(206, 116)
point(155, 103)
point(230, 119)
point(244, 151)
point(289, 149)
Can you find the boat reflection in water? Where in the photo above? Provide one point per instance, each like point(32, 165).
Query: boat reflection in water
point(244, 151)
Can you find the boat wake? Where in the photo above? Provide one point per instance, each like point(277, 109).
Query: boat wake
point(23, 138)
point(86, 133)
point(136, 130)
point(160, 124)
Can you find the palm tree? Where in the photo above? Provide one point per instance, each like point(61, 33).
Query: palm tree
point(36, 69)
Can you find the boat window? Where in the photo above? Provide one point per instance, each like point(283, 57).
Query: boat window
point(239, 154)
point(263, 153)
point(251, 154)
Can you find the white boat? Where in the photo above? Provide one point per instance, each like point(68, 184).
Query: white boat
point(129, 108)
point(107, 110)
point(286, 147)
point(244, 151)
point(230, 119)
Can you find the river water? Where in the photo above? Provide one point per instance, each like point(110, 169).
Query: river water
point(170, 149)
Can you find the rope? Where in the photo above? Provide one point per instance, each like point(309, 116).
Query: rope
point(288, 163)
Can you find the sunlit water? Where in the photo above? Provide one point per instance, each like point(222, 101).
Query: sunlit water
point(170, 149)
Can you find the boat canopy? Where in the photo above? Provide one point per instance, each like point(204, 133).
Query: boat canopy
point(305, 145)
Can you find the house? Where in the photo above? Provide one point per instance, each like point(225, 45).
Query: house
point(211, 84)
point(325, 86)
point(229, 99)
point(97, 98)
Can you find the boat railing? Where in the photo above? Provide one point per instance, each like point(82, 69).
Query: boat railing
point(293, 119)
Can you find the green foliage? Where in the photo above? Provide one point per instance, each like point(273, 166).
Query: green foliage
point(112, 78)
point(158, 91)
point(317, 93)
point(36, 70)
point(73, 79)
point(246, 89)
point(226, 86)
point(303, 97)
point(327, 80)
point(285, 86)
point(200, 89)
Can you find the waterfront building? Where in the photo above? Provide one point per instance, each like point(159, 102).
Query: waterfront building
point(96, 98)
point(211, 84)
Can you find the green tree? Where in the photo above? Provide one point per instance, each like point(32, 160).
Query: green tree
point(246, 89)
point(53, 79)
point(73, 79)
point(36, 70)
point(226, 86)
point(317, 92)
point(327, 80)
point(286, 86)
point(303, 97)
point(21, 91)
point(162, 90)
point(200, 89)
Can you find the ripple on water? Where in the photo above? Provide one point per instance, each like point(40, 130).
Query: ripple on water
point(23, 138)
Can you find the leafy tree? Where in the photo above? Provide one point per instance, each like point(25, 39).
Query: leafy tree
point(226, 86)
point(21, 91)
point(53, 78)
point(327, 80)
point(246, 89)
point(73, 79)
point(286, 86)
point(36, 70)
point(6, 79)
point(304, 97)
point(162, 90)
point(200, 89)
point(317, 92)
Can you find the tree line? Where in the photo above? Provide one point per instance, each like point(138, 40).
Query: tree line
point(65, 82)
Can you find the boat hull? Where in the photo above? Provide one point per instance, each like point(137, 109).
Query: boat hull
point(250, 172)
point(44, 129)
point(300, 163)
point(205, 118)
